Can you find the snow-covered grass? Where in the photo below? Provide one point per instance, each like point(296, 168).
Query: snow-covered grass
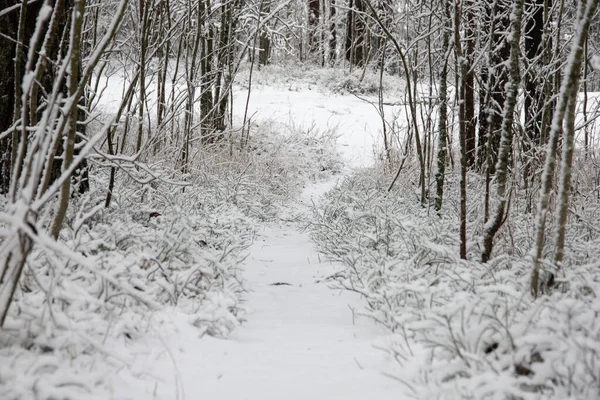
point(465, 329)
point(178, 241)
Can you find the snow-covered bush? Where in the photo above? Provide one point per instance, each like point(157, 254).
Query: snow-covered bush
point(279, 161)
point(464, 329)
point(105, 296)
point(180, 250)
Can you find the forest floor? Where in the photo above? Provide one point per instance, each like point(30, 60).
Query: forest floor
point(302, 339)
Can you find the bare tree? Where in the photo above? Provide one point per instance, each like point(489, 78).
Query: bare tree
point(499, 214)
point(564, 113)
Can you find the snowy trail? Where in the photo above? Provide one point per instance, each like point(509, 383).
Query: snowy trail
point(301, 339)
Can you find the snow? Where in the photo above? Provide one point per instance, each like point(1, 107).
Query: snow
point(357, 123)
point(302, 339)
point(596, 62)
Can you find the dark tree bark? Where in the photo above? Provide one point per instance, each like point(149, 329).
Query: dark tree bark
point(482, 119)
point(264, 42)
point(442, 154)
point(498, 74)
point(470, 142)
point(356, 52)
point(535, 81)
point(332, 34)
point(500, 213)
point(314, 14)
point(207, 76)
point(8, 28)
point(461, 92)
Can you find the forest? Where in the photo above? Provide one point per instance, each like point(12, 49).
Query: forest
point(263, 199)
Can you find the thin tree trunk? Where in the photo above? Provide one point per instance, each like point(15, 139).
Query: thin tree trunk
point(264, 40)
point(65, 192)
point(332, 34)
point(144, 10)
point(470, 142)
point(314, 15)
point(565, 107)
point(461, 93)
point(443, 114)
point(498, 216)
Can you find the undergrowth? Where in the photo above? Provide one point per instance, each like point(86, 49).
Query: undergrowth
point(461, 328)
point(166, 250)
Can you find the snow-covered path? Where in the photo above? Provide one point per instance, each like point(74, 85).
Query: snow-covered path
point(301, 339)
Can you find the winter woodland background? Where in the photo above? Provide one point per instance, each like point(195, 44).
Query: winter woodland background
point(146, 144)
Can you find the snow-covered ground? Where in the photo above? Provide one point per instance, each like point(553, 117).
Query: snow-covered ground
point(302, 339)
point(355, 120)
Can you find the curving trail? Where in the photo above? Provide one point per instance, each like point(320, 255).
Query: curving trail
point(301, 340)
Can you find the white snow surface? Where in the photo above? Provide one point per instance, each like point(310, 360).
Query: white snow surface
point(356, 121)
point(302, 338)
point(300, 341)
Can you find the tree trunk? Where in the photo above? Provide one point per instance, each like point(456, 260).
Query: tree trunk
point(74, 68)
point(355, 34)
point(332, 34)
point(314, 16)
point(498, 216)
point(498, 77)
point(534, 82)
point(470, 143)
point(264, 42)
point(443, 115)
point(461, 93)
point(565, 107)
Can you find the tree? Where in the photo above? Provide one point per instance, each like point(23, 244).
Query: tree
point(494, 78)
point(536, 82)
point(499, 215)
point(564, 112)
point(356, 31)
point(38, 136)
point(443, 111)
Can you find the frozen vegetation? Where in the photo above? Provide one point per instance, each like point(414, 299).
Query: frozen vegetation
point(299, 199)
